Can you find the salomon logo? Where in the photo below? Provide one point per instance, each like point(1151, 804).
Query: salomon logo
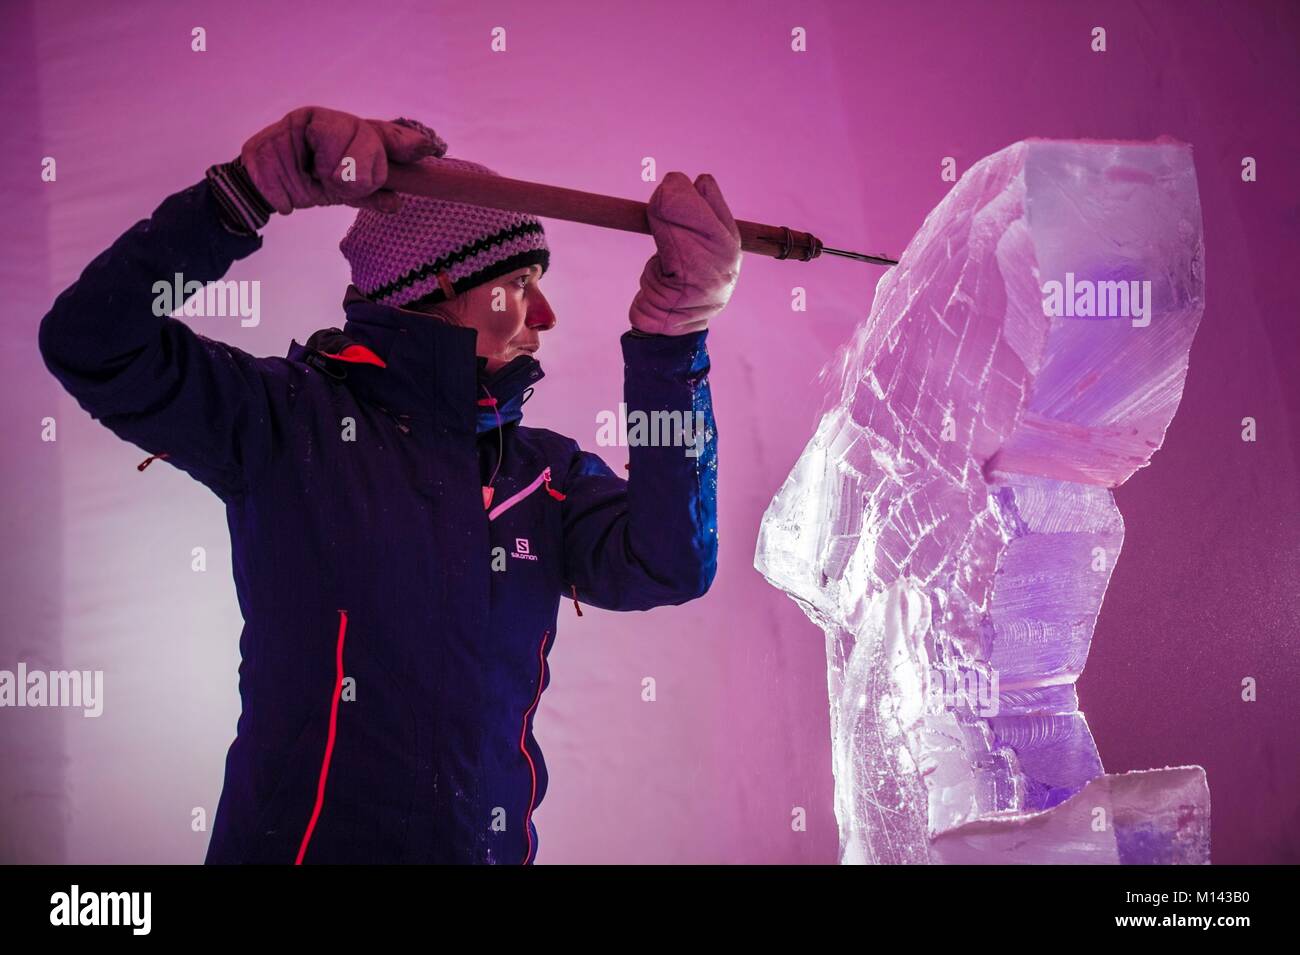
point(521, 549)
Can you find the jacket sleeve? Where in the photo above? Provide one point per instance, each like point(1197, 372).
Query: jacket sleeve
point(652, 539)
point(150, 378)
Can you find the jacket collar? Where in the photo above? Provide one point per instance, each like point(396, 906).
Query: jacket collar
point(414, 366)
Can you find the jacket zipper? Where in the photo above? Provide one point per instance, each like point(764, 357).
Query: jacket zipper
point(329, 742)
point(523, 736)
point(512, 500)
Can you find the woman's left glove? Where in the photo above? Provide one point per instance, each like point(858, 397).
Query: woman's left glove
point(691, 277)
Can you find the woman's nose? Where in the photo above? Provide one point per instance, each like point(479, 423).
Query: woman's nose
point(539, 314)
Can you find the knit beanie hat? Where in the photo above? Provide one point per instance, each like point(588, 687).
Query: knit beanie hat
point(432, 250)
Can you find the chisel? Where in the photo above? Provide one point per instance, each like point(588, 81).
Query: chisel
point(610, 212)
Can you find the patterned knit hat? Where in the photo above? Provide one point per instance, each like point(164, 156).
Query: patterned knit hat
point(432, 249)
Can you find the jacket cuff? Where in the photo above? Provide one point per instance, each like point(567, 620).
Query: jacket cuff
point(243, 209)
point(671, 355)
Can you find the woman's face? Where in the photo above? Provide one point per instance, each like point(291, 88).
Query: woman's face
point(510, 313)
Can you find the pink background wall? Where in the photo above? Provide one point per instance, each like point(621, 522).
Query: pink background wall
point(846, 141)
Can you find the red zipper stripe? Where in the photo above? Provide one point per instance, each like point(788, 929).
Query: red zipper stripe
point(329, 742)
point(523, 735)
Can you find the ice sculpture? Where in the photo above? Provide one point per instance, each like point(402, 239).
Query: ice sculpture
point(951, 526)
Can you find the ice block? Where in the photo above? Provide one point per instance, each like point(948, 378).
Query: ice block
point(950, 525)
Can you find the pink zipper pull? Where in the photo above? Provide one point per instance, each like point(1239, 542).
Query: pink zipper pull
point(149, 460)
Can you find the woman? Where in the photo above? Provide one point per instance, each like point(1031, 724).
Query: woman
point(401, 541)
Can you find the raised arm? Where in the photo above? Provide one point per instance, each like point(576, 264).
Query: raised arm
point(148, 377)
point(154, 381)
point(653, 539)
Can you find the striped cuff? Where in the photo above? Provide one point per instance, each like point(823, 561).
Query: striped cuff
point(243, 209)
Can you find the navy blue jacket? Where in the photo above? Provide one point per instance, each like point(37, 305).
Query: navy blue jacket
point(396, 630)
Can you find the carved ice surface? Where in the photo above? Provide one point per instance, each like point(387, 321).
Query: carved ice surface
point(951, 526)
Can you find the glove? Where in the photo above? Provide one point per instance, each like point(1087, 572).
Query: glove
point(691, 277)
point(297, 163)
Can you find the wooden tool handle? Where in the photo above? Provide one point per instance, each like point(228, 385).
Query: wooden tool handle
point(556, 202)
